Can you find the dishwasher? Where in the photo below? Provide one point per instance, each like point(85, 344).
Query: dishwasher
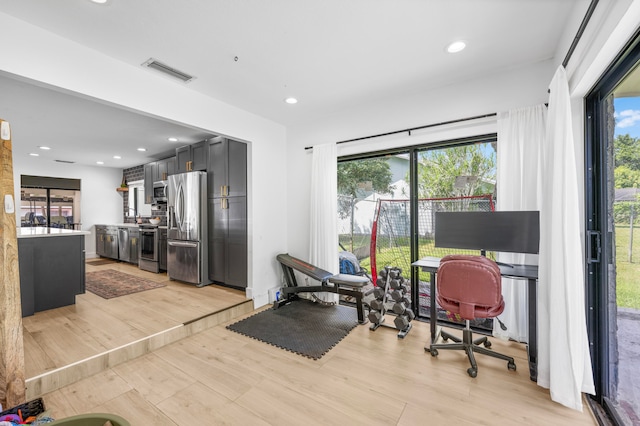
point(124, 253)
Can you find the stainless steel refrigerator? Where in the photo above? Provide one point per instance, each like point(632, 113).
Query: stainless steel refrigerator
point(187, 258)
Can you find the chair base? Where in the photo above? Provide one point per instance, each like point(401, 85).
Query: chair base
point(470, 346)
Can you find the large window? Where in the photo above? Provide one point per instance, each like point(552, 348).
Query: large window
point(378, 208)
point(49, 202)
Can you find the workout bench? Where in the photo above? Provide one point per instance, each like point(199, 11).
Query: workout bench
point(348, 285)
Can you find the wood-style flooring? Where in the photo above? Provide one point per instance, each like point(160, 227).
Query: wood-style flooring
point(216, 376)
point(59, 337)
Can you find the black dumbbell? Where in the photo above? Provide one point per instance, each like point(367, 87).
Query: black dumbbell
point(400, 308)
point(399, 296)
point(375, 317)
point(381, 282)
point(376, 304)
point(378, 293)
point(383, 273)
point(401, 322)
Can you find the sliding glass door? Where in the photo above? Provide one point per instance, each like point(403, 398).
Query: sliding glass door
point(612, 210)
point(386, 198)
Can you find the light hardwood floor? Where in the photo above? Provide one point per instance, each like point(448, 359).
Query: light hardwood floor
point(217, 376)
point(60, 337)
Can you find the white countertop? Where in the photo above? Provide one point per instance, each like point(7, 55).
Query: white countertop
point(38, 231)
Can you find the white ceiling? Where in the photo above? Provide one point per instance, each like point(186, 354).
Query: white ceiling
point(332, 55)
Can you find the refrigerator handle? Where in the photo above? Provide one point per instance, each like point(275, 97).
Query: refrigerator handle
point(179, 207)
point(170, 217)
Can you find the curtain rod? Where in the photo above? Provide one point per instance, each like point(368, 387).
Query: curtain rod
point(583, 26)
point(395, 132)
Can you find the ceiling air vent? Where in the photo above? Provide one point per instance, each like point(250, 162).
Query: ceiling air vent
point(64, 161)
point(159, 66)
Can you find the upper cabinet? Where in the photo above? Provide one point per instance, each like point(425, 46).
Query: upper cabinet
point(165, 168)
point(191, 158)
point(227, 168)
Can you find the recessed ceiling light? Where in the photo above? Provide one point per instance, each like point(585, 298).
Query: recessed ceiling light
point(173, 139)
point(291, 101)
point(142, 149)
point(99, 1)
point(456, 46)
point(117, 157)
point(33, 154)
point(46, 148)
point(100, 162)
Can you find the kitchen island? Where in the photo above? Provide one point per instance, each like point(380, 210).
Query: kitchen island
point(52, 270)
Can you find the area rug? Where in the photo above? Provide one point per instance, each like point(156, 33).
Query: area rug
point(99, 262)
point(110, 283)
point(302, 327)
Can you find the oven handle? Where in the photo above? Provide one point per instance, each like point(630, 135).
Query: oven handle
point(182, 244)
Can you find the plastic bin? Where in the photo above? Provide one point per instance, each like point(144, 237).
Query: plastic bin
point(91, 419)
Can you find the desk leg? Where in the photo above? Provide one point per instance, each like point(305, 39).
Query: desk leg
point(433, 314)
point(533, 330)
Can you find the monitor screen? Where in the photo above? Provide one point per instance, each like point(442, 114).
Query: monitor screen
point(505, 231)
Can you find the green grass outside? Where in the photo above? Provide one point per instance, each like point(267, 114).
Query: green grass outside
point(627, 273)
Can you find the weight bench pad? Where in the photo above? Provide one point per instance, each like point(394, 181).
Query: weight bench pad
point(349, 280)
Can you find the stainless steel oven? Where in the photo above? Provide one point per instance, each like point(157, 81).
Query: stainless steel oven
point(148, 258)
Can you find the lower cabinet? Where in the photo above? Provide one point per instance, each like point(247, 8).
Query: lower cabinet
point(227, 230)
point(107, 241)
point(52, 272)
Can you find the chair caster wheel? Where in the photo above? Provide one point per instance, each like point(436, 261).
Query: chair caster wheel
point(487, 344)
point(434, 352)
point(472, 372)
point(511, 366)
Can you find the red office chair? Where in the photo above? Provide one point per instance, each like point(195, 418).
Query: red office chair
point(470, 286)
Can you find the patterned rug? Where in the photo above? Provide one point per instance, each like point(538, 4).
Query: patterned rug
point(110, 283)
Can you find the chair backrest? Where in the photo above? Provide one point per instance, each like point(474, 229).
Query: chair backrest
point(470, 286)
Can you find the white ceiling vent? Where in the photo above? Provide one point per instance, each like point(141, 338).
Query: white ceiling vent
point(164, 68)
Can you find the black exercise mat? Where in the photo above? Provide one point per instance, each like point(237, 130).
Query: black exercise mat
point(306, 328)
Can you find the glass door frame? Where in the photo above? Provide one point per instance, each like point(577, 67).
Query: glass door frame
point(599, 238)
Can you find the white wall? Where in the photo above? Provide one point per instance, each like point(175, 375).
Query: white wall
point(99, 201)
point(489, 94)
point(44, 57)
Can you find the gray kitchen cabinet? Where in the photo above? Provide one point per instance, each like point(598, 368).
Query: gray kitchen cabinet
point(226, 168)
point(228, 241)
point(107, 241)
point(149, 171)
point(192, 158)
point(164, 168)
point(52, 271)
point(227, 203)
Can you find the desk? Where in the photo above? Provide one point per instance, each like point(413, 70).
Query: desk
point(518, 272)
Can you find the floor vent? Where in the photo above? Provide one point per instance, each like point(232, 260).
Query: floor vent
point(164, 68)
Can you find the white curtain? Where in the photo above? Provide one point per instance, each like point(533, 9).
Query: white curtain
point(564, 362)
point(521, 133)
point(323, 238)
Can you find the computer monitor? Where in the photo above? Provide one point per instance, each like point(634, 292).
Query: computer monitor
point(503, 231)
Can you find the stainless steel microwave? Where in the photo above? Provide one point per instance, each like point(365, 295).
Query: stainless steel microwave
point(160, 191)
